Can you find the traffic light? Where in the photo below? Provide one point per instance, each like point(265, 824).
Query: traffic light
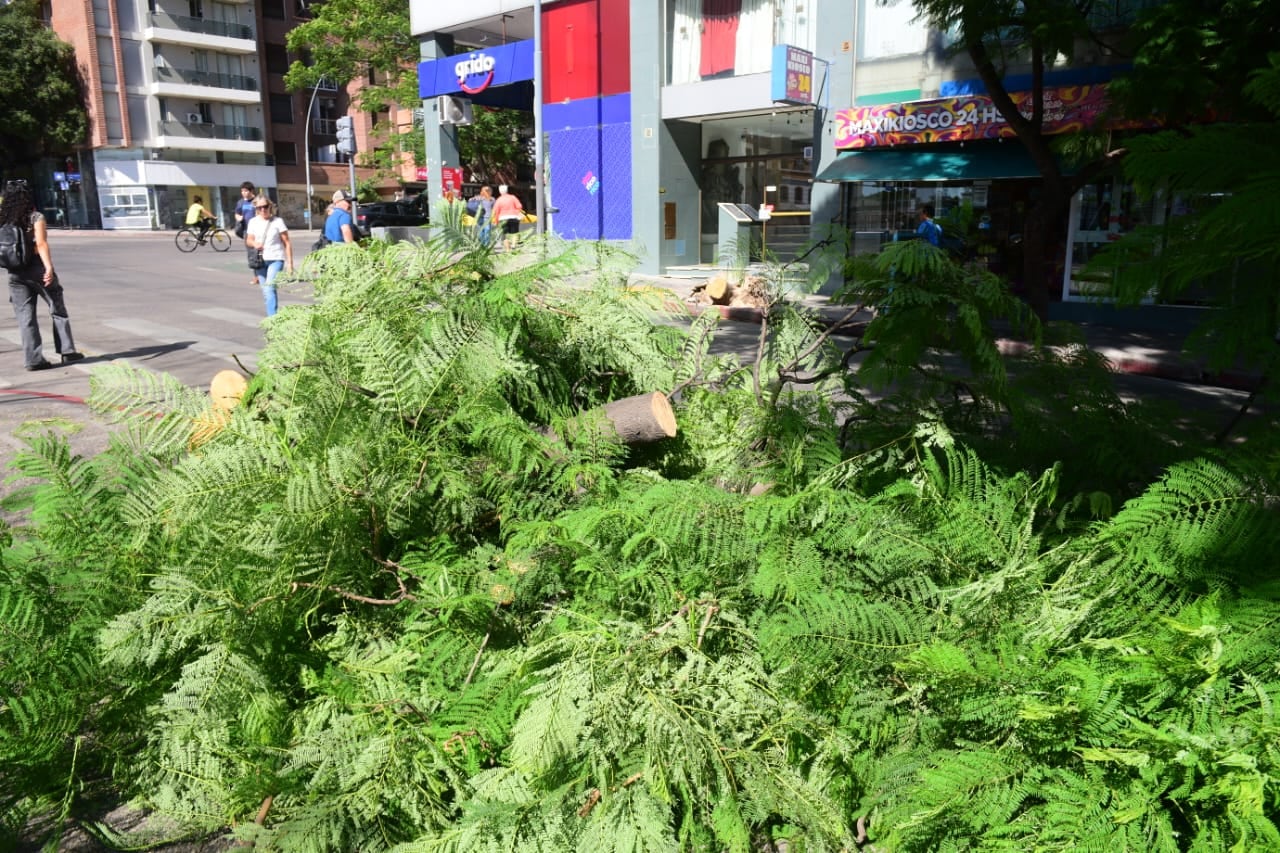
point(346, 136)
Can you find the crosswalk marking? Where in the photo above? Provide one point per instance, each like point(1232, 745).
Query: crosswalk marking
point(230, 315)
point(219, 347)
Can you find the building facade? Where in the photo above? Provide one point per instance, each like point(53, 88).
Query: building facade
point(186, 98)
point(655, 115)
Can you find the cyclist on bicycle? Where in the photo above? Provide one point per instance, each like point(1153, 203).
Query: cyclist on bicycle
point(199, 215)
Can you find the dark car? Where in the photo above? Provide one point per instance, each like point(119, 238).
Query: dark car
point(379, 214)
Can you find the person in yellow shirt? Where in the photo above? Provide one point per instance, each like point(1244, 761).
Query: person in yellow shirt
point(199, 215)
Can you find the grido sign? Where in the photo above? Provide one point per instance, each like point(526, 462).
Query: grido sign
point(475, 73)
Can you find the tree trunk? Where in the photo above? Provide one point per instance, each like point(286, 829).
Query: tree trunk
point(1040, 238)
point(642, 419)
point(718, 289)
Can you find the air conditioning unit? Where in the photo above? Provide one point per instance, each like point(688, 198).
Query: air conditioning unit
point(454, 110)
point(195, 118)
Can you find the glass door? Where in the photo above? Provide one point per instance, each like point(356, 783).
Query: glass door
point(1101, 213)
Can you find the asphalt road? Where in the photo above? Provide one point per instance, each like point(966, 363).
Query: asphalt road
point(132, 298)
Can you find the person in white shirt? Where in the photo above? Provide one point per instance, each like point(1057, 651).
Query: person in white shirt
point(268, 233)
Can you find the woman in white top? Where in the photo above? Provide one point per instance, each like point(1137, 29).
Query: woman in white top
point(268, 233)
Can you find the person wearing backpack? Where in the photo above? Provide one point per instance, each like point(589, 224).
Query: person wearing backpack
point(483, 212)
point(33, 278)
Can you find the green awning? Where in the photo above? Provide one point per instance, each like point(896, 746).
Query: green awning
point(905, 163)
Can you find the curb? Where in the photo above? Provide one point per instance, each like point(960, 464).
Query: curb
point(1120, 361)
point(1177, 371)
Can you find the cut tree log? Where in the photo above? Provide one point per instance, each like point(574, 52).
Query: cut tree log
point(226, 389)
point(642, 419)
point(719, 289)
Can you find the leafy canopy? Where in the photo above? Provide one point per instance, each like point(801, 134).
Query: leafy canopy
point(44, 110)
point(369, 40)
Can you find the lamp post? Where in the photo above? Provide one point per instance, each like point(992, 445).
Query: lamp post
point(539, 194)
point(306, 150)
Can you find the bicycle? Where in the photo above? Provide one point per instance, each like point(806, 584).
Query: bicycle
point(187, 239)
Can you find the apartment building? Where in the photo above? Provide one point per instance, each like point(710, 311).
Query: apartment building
point(186, 98)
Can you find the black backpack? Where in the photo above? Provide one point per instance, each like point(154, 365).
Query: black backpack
point(16, 252)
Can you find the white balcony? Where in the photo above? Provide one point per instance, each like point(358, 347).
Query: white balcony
point(207, 136)
point(187, 83)
point(164, 28)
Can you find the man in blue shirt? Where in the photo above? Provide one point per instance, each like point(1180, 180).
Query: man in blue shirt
point(338, 228)
point(928, 229)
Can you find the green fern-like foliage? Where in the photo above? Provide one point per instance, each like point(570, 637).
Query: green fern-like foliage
point(406, 597)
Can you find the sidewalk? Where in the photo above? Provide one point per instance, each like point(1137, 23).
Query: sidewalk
point(1158, 354)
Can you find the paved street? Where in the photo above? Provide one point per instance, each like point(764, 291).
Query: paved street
point(133, 298)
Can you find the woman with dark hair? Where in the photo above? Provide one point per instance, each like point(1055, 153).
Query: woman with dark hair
point(36, 281)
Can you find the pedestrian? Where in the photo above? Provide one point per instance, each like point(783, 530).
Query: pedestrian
point(483, 212)
point(245, 213)
point(269, 236)
point(36, 281)
point(339, 227)
point(199, 215)
point(928, 229)
point(507, 210)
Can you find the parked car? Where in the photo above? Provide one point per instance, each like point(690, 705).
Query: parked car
point(378, 214)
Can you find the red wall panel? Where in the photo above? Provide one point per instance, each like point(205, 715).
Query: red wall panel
point(586, 50)
point(615, 29)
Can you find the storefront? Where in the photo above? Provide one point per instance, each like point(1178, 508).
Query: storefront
point(959, 155)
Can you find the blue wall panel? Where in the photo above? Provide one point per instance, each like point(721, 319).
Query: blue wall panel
point(589, 153)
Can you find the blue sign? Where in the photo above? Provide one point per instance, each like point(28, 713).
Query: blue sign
point(59, 176)
point(477, 71)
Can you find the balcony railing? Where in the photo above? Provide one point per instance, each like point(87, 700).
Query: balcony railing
point(324, 126)
point(210, 131)
point(200, 25)
point(192, 77)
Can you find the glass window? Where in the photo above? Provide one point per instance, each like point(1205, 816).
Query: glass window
point(124, 203)
point(273, 9)
point(277, 59)
point(286, 152)
point(282, 109)
point(709, 39)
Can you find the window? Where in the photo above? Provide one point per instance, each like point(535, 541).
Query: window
point(273, 9)
point(282, 109)
point(708, 39)
point(277, 59)
point(286, 153)
point(124, 203)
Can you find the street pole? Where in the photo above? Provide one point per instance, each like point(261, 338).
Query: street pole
point(539, 196)
point(306, 152)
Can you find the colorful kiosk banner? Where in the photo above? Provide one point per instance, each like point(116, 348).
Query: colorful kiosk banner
point(1067, 109)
